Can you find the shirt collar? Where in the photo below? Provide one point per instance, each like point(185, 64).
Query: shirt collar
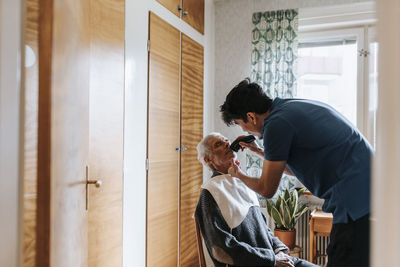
point(216, 173)
point(273, 105)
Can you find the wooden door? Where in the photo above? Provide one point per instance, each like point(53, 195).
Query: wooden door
point(191, 135)
point(63, 133)
point(77, 55)
point(171, 5)
point(31, 85)
point(163, 138)
point(193, 14)
point(106, 116)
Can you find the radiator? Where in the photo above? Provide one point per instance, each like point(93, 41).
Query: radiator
point(303, 239)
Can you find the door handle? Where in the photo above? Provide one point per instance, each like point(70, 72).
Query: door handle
point(184, 12)
point(97, 183)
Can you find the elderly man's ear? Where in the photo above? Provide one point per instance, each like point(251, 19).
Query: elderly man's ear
point(207, 160)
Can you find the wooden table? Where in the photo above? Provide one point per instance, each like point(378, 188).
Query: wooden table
point(320, 225)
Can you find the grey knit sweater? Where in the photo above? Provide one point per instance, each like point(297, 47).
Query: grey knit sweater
point(251, 243)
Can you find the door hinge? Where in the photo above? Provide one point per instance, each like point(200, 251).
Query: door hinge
point(148, 45)
point(147, 164)
point(363, 53)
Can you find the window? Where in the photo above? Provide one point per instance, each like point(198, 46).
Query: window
point(338, 67)
point(327, 72)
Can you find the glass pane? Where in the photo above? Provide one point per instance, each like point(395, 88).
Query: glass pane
point(328, 73)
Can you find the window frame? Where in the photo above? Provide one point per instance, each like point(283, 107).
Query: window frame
point(358, 34)
point(341, 22)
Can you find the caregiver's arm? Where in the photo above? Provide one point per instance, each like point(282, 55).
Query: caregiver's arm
point(268, 183)
point(260, 152)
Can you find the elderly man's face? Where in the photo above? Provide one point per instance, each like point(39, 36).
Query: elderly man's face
point(221, 154)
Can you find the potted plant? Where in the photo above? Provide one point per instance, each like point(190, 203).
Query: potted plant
point(285, 211)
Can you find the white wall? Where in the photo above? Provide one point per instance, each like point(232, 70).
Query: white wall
point(10, 136)
point(233, 43)
point(136, 34)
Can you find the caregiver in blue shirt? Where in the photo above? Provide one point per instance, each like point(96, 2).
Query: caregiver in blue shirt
point(312, 141)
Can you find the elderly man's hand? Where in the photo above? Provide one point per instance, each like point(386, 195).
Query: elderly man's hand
point(283, 260)
point(234, 170)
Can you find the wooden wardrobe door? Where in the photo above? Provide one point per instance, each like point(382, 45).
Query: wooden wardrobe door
point(63, 133)
point(30, 134)
point(171, 5)
point(193, 14)
point(106, 116)
point(163, 138)
point(191, 135)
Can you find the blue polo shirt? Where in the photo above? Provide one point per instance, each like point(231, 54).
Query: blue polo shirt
point(325, 152)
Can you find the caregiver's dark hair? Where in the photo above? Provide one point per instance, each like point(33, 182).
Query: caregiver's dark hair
point(244, 97)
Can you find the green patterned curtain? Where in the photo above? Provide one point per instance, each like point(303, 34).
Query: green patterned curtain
point(273, 66)
point(274, 51)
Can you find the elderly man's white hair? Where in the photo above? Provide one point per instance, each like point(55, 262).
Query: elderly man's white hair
point(203, 148)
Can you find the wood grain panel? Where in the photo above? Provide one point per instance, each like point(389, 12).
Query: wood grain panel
point(171, 5)
point(63, 132)
point(30, 134)
point(43, 220)
point(29, 230)
point(191, 135)
point(106, 132)
point(163, 137)
point(195, 14)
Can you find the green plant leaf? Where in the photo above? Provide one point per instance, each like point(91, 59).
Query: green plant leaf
point(294, 202)
point(282, 207)
point(287, 218)
point(284, 211)
point(286, 195)
point(300, 212)
point(301, 191)
point(270, 204)
point(278, 203)
point(276, 217)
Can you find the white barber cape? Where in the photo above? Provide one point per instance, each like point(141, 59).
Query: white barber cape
point(232, 196)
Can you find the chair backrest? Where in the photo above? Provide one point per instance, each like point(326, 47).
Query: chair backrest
point(199, 243)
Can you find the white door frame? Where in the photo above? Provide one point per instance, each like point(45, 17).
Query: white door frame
point(385, 217)
point(11, 132)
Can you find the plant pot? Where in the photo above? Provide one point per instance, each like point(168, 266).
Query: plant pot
point(288, 237)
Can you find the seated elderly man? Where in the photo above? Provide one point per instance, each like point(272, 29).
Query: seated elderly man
point(235, 230)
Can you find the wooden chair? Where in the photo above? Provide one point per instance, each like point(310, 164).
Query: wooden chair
point(320, 225)
point(199, 238)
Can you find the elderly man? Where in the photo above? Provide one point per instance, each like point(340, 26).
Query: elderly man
point(235, 230)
